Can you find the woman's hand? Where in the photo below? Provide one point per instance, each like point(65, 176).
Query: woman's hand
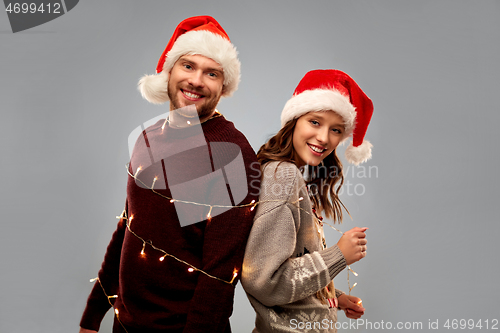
point(352, 306)
point(353, 244)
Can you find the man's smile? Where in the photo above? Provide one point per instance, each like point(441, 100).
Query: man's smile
point(191, 95)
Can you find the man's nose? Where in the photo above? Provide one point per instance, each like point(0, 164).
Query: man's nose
point(196, 79)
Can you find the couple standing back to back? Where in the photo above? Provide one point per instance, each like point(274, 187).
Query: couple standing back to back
point(193, 222)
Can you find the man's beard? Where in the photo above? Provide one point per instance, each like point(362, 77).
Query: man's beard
point(204, 110)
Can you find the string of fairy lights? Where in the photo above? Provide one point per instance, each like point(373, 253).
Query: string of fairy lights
point(349, 269)
point(191, 268)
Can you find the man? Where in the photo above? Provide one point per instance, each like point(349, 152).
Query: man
point(174, 259)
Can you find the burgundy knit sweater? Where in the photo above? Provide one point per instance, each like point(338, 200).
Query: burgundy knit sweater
point(155, 295)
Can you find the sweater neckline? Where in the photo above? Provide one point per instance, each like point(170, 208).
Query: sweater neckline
point(216, 114)
point(214, 126)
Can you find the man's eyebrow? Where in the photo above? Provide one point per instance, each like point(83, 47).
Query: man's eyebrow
point(186, 60)
point(210, 69)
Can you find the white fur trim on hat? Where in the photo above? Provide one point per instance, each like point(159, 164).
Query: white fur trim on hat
point(359, 154)
point(202, 42)
point(320, 100)
point(154, 87)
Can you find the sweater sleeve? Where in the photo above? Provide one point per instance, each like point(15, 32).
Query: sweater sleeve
point(334, 259)
point(271, 273)
point(97, 302)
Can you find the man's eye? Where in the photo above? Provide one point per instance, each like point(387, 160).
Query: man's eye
point(187, 66)
point(212, 74)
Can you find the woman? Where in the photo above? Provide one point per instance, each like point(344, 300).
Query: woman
point(288, 271)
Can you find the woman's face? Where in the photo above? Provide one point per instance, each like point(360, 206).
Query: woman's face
point(316, 135)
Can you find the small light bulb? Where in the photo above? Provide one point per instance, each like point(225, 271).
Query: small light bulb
point(210, 211)
point(163, 258)
point(137, 171)
point(123, 215)
point(190, 269)
point(172, 200)
point(235, 274)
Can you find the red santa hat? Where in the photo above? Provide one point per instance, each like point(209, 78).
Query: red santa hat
point(201, 35)
point(330, 89)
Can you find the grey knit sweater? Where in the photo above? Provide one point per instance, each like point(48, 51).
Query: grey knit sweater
point(285, 263)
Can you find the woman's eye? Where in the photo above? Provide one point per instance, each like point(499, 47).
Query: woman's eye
point(336, 130)
point(314, 122)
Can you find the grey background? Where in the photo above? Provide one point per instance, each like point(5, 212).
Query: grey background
point(69, 101)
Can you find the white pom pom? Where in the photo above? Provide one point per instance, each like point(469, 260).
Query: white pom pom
point(359, 154)
point(153, 88)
